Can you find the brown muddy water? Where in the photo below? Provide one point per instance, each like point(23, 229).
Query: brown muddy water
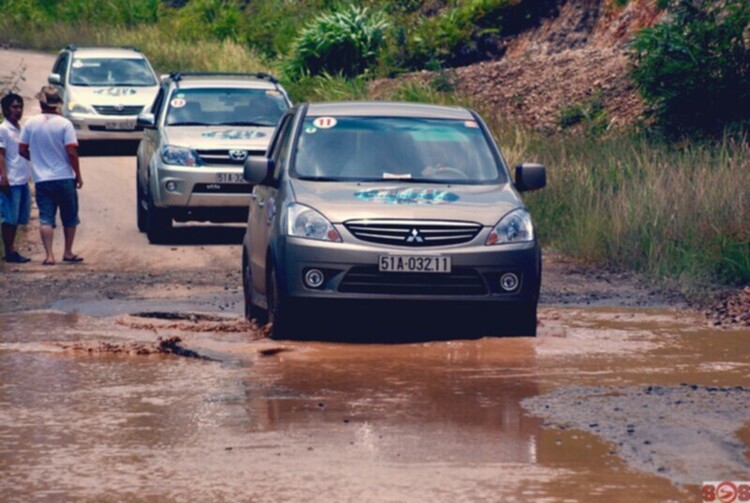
point(604, 405)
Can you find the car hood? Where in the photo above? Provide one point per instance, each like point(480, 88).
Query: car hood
point(342, 201)
point(117, 95)
point(252, 138)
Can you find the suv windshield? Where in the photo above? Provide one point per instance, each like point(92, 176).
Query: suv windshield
point(226, 107)
point(111, 72)
point(396, 148)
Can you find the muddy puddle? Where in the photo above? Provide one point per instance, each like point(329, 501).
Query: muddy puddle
point(563, 417)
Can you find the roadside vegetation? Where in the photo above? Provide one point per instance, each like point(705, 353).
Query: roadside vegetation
point(670, 199)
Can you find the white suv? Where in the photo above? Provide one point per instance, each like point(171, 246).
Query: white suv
point(104, 89)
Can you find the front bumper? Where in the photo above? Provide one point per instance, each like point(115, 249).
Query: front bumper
point(182, 187)
point(104, 127)
point(351, 272)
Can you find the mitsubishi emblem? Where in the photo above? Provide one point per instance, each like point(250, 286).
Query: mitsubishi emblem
point(119, 107)
point(414, 237)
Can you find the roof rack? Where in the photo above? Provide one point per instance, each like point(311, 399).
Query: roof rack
point(73, 47)
point(177, 76)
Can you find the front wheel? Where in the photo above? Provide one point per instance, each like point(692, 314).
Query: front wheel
point(279, 309)
point(252, 312)
point(158, 223)
point(140, 209)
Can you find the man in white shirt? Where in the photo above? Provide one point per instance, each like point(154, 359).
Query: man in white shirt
point(15, 195)
point(49, 141)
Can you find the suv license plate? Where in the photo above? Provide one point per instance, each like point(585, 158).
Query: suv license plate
point(120, 125)
point(419, 263)
point(229, 178)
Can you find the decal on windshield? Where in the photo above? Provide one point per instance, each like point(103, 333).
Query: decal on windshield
point(178, 103)
point(235, 134)
point(310, 130)
point(324, 122)
point(471, 124)
point(412, 195)
point(116, 91)
point(273, 92)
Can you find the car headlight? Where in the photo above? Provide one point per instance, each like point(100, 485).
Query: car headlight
point(180, 156)
point(79, 108)
point(305, 222)
point(515, 227)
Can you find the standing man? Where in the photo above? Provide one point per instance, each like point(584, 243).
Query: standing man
point(15, 196)
point(49, 141)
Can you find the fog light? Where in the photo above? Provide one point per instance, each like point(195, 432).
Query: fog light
point(314, 278)
point(171, 186)
point(509, 281)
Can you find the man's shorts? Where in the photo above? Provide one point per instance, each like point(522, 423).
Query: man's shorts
point(15, 204)
point(57, 194)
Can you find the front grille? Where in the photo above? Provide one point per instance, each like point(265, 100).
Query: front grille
point(222, 188)
point(116, 110)
point(222, 156)
point(367, 279)
point(418, 233)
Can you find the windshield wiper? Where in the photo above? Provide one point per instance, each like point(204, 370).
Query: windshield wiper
point(245, 123)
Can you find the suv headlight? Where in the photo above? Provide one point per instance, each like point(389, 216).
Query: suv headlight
point(79, 108)
point(305, 222)
point(515, 227)
point(180, 156)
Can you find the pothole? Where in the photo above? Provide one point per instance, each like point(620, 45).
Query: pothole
point(190, 322)
point(162, 346)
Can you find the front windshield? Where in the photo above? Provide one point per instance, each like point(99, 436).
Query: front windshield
point(388, 148)
point(103, 72)
point(225, 107)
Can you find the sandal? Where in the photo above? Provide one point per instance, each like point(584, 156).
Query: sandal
point(48, 262)
point(73, 258)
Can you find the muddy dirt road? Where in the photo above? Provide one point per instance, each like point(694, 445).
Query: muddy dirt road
point(132, 377)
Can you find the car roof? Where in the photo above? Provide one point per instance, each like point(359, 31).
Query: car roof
point(106, 52)
point(388, 109)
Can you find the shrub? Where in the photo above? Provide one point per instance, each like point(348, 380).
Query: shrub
point(345, 43)
point(693, 71)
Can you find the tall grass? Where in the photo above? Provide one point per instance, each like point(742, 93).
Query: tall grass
point(165, 51)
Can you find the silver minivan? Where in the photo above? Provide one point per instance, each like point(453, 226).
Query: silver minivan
point(104, 89)
point(373, 202)
point(198, 132)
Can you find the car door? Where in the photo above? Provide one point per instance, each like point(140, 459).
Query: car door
point(150, 142)
point(263, 205)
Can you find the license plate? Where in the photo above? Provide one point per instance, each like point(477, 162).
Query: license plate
point(419, 263)
point(120, 125)
point(229, 178)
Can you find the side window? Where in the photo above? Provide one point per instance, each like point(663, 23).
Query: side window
point(61, 65)
point(281, 146)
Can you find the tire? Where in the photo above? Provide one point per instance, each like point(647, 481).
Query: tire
point(279, 309)
point(252, 312)
point(140, 211)
point(158, 223)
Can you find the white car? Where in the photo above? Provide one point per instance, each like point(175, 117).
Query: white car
point(104, 89)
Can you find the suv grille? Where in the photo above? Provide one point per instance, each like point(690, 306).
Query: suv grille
point(222, 156)
point(413, 233)
point(367, 279)
point(117, 110)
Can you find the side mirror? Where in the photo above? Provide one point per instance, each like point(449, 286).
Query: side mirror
point(530, 177)
point(258, 169)
point(163, 77)
point(146, 120)
point(54, 79)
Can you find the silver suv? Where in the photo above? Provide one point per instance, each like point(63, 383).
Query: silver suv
point(104, 89)
point(198, 133)
point(388, 203)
